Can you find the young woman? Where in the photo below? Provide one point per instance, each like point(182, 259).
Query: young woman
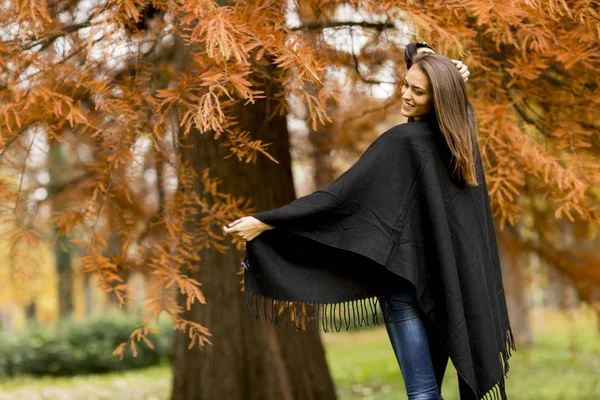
point(409, 225)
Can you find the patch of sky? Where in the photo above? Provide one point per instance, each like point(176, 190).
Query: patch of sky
point(139, 150)
point(62, 46)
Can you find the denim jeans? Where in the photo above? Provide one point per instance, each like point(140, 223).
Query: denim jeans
point(422, 371)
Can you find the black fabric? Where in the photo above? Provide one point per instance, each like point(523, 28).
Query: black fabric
point(396, 214)
point(410, 50)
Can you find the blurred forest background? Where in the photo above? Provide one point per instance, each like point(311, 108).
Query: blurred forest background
point(132, 130)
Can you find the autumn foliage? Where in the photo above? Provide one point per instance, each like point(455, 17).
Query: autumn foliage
point(118, 84)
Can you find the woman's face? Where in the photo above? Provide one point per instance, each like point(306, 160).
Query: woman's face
point(416, 94)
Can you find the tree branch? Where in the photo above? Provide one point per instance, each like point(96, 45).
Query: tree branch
point(384, 108)
point(573, 265)
point(15, 137)
point(530, 120)
point(356, 65)
point(48, 40)
point(59, 187)
point(316, 26)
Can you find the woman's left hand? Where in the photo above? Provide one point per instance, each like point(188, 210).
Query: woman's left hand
point(246, 228)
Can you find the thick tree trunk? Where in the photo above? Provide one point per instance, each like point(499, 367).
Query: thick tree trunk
point(248, 359)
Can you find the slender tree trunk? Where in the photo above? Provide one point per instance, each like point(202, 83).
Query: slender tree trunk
point(325, 172)
point(570, 298)
point(8, 317)
point(562, 295)
point(558, 289)
point(64, 270)
point(248, 359)
point(62, 246)
point(112, 249)
point(516, 301)
point(30, 311)
point(88, 297)
point(310, 12)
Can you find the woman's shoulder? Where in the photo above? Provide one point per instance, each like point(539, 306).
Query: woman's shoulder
point(411, 131)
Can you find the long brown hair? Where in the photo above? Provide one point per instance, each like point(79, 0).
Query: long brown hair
point(450, 101)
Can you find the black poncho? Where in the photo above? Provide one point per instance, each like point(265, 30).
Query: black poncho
point(397, 214)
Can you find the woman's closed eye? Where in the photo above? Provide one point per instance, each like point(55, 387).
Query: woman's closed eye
point(415, 91)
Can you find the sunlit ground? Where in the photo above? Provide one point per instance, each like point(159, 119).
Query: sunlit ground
point(564, 364)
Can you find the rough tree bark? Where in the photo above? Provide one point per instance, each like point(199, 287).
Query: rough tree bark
point(248, 359)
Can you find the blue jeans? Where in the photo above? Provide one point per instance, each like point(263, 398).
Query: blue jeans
point(411, 343)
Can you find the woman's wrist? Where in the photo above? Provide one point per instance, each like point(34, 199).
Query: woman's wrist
point(264, 226)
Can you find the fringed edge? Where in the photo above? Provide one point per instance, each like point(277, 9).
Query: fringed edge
point(325, 317)
point(498, 392)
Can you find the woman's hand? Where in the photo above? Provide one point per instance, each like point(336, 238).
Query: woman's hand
point(246, 228)
point(462, 68)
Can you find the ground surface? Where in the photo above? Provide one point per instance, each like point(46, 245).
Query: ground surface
point(564, 364)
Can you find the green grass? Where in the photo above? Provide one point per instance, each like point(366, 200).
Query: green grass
point(153, 383)
point(564, 364)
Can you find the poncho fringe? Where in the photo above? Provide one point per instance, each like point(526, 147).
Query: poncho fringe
point(343, 316)
point(315, 317)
